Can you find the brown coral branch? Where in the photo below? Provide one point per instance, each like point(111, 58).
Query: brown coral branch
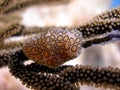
point(5, 3)
point(113, 25)
point(11, 45)
point(10, 30)
point(113, 13)
point(35, 30)
point(106, 77)
point(8, 55)
point(12, 18)
point(17, 5)
point(107, 39)
point(35, 80)
point(98, 28)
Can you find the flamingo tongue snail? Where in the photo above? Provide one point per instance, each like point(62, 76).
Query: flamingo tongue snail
point(53, 47)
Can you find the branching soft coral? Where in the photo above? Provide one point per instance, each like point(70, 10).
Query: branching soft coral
point(52, 46)
point(8, 6)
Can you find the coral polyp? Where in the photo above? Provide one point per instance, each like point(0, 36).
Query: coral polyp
point(54, 47)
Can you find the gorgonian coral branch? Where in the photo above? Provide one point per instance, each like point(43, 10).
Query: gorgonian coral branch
point(11, 45)
point(35, 80)
point(35, 30)
point(8, 19)
point(99, 28)
point(34, 74)
point(7, 55)
point(95, 32)
point(113, 13)
point(10, 30)
point(4, 3)
point(17, 5)
point(105, 77)
point(104, 40)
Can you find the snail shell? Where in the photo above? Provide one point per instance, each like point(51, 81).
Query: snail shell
point(53, 47)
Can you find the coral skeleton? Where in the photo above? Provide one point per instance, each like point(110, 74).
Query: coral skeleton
point(50, 47)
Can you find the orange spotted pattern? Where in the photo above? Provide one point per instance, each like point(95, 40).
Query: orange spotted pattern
point(54, 47)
